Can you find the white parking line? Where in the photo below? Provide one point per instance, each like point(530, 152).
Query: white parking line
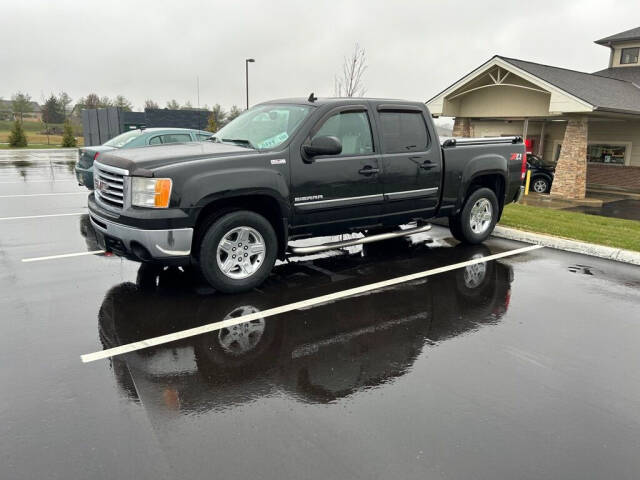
point(64, 255)
point(43, 216)
point(43, 194)
point(172, 337)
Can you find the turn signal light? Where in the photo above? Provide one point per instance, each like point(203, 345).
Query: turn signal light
point(163, 192)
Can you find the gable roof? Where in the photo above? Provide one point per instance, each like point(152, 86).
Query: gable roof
point(628, 74)
point(602, 92)
point(627, 35)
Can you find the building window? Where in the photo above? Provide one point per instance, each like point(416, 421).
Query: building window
point(629, 55)
point(602, 153)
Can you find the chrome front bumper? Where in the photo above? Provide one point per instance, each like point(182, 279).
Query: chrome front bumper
point(160, 244)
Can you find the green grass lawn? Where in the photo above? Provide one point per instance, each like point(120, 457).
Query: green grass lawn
point(612, 232)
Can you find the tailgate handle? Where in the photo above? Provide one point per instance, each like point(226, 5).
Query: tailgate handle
point(368, 170)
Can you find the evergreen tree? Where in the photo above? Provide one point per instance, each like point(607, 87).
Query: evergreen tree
point(68, 140)
point(17, 138)
point(52, 110)
point(212, 125)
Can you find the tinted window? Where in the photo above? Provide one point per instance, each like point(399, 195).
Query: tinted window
point(176, 138)
point(629, 55)
point(155, 140)
point(353, 130)
point(403, 132)
point(203, 136)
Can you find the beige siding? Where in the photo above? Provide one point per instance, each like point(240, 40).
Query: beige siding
point(618, 132)
point(617, 51)
point(612, 131)
point(502, 101)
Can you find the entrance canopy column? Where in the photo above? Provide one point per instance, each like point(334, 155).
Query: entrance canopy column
point(570, 179)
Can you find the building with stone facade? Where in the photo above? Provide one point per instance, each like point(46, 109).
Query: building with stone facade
point(589, 123)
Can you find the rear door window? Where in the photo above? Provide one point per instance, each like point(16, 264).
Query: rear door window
point(403, 132)
point(176, 138)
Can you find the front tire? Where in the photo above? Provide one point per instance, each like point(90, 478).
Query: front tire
point(477, 219)
point(238, 251)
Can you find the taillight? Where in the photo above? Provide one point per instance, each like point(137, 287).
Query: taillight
point(523, 169)
point(98, 153)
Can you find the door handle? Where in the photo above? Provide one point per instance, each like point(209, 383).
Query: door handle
point(427, 165)
point(368, 170)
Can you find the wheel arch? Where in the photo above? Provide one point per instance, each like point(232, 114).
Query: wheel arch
point(262, 203)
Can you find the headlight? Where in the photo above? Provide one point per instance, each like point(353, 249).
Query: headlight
point(150, 192)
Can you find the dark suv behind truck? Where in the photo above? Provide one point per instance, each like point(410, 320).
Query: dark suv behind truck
point(296, 168)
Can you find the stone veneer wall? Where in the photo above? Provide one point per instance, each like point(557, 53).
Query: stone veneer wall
point(462, 127)
point(571, 171)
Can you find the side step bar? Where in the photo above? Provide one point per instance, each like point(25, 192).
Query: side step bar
point(306, 250)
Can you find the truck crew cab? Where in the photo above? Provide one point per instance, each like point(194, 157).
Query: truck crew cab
point(297, 168)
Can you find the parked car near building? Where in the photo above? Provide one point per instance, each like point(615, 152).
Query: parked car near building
point(541, 174)
point(133, 139)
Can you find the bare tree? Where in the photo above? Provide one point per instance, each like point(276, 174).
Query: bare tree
point(350, 83)
point(148, 103)
point(21, 103)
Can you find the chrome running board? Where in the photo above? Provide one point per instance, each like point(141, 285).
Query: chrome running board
point(306, 250)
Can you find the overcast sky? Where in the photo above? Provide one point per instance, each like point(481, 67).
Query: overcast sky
point(156, 49)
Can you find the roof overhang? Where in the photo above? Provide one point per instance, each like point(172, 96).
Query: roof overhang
point(560, 101)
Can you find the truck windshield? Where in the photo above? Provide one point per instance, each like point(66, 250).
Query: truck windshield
point(122, 139)
point(263, 126)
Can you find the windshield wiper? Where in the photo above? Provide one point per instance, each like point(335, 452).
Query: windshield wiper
point(240, 141)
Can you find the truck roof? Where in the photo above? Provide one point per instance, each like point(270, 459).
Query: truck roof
point(341, 101)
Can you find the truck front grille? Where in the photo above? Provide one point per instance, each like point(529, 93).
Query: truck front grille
point(109, 185)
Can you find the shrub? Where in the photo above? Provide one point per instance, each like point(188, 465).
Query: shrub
point(17, 138)
point(68, 140)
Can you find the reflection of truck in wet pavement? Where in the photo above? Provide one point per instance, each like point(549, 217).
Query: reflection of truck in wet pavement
point(316, 355)
point(299, 168)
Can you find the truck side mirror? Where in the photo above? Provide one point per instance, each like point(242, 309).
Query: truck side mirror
point(323, 146)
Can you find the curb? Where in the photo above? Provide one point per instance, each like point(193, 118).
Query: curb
point(609, 253)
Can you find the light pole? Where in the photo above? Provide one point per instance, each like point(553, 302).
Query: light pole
point(246, 73)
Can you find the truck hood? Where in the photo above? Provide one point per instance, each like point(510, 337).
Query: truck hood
point(141, 161)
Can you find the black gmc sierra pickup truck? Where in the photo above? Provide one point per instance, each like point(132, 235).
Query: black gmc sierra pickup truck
point(297, 168)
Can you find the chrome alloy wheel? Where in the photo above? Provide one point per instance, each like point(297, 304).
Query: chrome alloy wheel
point(242, 338)
point(240, 253)
point(474, 274)
point(481, 215)
point(540, 186)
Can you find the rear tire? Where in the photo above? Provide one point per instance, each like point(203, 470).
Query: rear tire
point(477, 219)
point(238, 251)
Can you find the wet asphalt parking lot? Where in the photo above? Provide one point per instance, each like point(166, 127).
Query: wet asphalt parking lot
point(523, 367)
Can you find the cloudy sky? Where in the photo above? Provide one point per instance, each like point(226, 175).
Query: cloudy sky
point(156, 49)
